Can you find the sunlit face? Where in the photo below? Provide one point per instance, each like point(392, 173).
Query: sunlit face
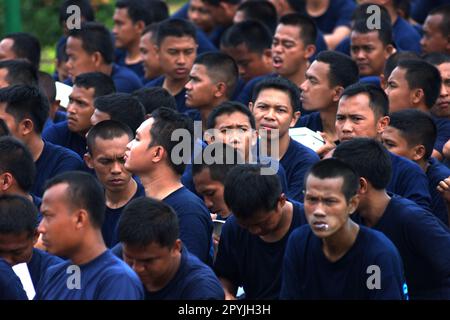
point(80, 109)
point(442, 106)
point(317, 93)
point(79, 61)
point(176, 56)
point(149, 56)
point(398, 91)
point(6, 50)
point(263, 223)
point(17, 248)
point(433, 40)
point(138, 153)
point(199, 14)
point(201, 89)
point(394, 141)
point(125, 31)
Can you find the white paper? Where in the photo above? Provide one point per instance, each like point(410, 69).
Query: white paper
point(63, 92)
point(23, 273)
point(307, 137)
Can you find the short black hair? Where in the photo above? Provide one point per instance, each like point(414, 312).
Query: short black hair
point(423, 75)
point(24, 101)
point(217, 170)
point(102, 83)
point(335, 168)
point(220, 68)
point(17, 215)
point(248, 192)
point(217, 2)
point(16, 159)
point(436, 58)
point(83, 192)
point(107, 130)
point(86, 10)
point(369, 158)
point(393, 60)
point(384, 32)
point(307, 26)
point(343, 69)
point(153, 28)
point(20, 72)
point(154, 98)
point(47, 85)
point(145, 221)
point(166, 121)
point(26, 46)
point(444, 11)
point(262, 11)
point(229, 107)
point(281, 84)
point(160, 10)
point(298, 6)
point(95, 37)
point(4, 131)
point(253, 34)
point(122, 107)
point(175, 27)
point(138, 10)
point(416, 127)
point(378, 100)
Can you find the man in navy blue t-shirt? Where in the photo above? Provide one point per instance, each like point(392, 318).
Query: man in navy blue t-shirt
point(150, 60)
point(333, 257)
point(10, 286)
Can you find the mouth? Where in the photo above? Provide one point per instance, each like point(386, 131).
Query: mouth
point(181, 71)
point(443, 104)
point(116, 182)
point(320, 225)
point(267, 127)
point(277, 62)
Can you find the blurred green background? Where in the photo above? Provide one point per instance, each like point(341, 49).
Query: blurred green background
point(40, 17)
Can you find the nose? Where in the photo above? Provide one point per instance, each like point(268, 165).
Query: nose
point(208, 203)
point(304, 85)
point(181, 60)
point(444, 92)
point(347, 126)
point(188, 85)
point(241, 71)
point(116, 168)
point(234, 137)
point(41, 227)
point(269, 115)
point(137, 267)
point(276, 47)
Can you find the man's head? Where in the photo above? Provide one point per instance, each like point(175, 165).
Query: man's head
point(209, 177)
point(21, 45)
point(392, 62)
point(249, 43)
point(73, 206)
point(89, 49)
point(293, 44)
point(149, 54)
point(122, 107)
point(24, 109)
point(326, 79)
point(86, 88)
point(213, 79)
point(14, 72)
point(152, 147)
point(436, 31)
point(441, 61)
point(284, 7)
point(256, 200)
point(18, 234)
point(154, 98)
point(410, 134)
point(362, 112)
point(222, 11)
point(48, 87)
point(259, 10)
point(106, 145)
point(149, 232)
point(176, 46)
point(413, 84)
point(331, 188)
point(199, 14)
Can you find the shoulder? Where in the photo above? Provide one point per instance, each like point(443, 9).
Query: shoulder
point(155, 82)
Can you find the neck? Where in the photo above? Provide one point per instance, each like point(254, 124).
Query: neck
point(160, 183)
point(328, 118)
point(92, 246)
point(375, 206)
point(316, 7)
point(174, 86)
point(120, 198)
point(133, 55)
point(337, 245)
point(423, 164)
point(299, 77)
point(206, 111)
point(106, 69)
point(36, 145)
point(283, 226)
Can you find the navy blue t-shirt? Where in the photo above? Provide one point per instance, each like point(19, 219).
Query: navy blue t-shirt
point(104, 278)
point(405, 36)
point(309, 275)
point(39, 263)
point(424, 245)
point(296, 162)
point(59, 117)
point(54, 160)
point(195, 222)
point(110, 224)
point(248, 261)
point(443, 132)
point(339, 13)
point(60, 134)
point(344, 46)
point(137, 68)
point(311, 121)
point(10, 286)
point(436, 172)
point(194, 280)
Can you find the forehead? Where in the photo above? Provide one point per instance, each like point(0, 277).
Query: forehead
point(288, 32)
point(444, 69)
point(232, 118)
point(357, 104)
point(238, 51)
point(326, 186)
point(393, 134)
point(75, 44)
point(433, 21)
point(274, 97)
point(203, 178)
point(199, 70)
point(144, 128)
point(398, 74)
point(319, 69)
point(55, 193)
point(144, 252)
point(121, 13)
point(111, 146)
point(358, 38)
point(83, 93)
point(181, 43)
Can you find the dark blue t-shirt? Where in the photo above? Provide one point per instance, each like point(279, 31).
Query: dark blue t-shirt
point(443, 132)
point(104, 278)
point(405, 36)
point(59, 117)
point(137, 68)
point(60, 135)
point(54, 160)
point(311, 121)
point(194, 280)
point(296, 162)
point(248, 261)
point(309, 275)
point(39, 263)
point(10, 286)
point(195, 222)
point(339, 13)
point(436, 172)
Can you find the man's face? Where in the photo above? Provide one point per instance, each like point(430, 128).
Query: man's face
point(398, 91)
point(250, 64)
point(17, 248)
point(138, 153)
point(200, 90)
point(317, 94)
point(80, 109)
point(433, 40)
point(79, 61)
point(3, 75)
point(99, 116)
point(59, 223)
point(199, 14)
point(394, 141)
point(126, 33)
point(149, 56)
point(6, 51)
point(369, 53)
point(288, 50)
point(10, 121)
point(218, 14)
point(355, 119)
point(326, 208)
point(176, 56)
point(107, 159)
point(212, 193)
point(442, 105)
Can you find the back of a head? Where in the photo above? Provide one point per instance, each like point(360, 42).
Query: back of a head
point(437, 58)
point(154, 98)
point(26, 46)
point(85, 7)
point(4, 130)
point(253, 34)
point(83, 192)
point(443, 11)
point(416, 127)
point(384, 32)
point(248, 192)
point(23, 101)
point(47, 85)
point(107, 130)
point(229, 107)
point(299, 6)
point(16, 159)
point(101, 83)
point(146, 221)
point(220, 68)
point(378, 100)
point(20, 72)
point(393, 60)
point(95, 37)
point(343, 70)
point(307, 26)
point(262, 11)
point(17, 215)
point(422, 75)
point(122, 107)
point(369, 158)
point(159, 10)
point(281, 84)
point(175, 28)
point(139, 10)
